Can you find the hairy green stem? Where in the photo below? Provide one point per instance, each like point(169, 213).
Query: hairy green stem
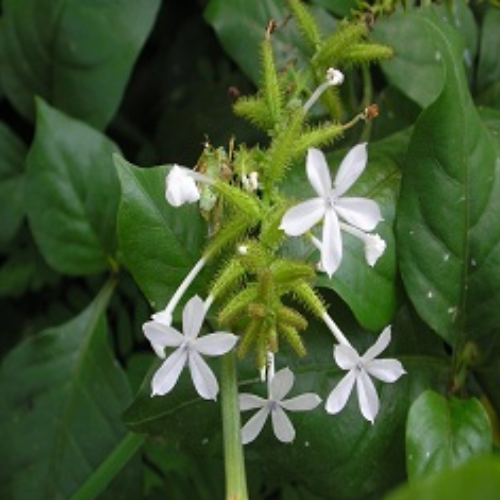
point(236, 485)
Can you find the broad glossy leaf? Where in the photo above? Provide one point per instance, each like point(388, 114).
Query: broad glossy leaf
point(240, 26)
point(72, 193)
point(478, 479)
point(339, 457)
point(488, 69)
point(448, 235)
point(443, 433)
point(13, 153)
point(76, 55)
point(370, 292)
point(416, 69)
point(159, 244)
point(62, 396)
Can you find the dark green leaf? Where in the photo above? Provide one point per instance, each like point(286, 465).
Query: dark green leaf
point(444, 433)
point(72, 193)
point(416, 70)
point(13, 153)
point(450, 199)
point(159, 244)
point(62, 395)
point(488, 70)
point(240, 26)
point(478, 479)
point(341, 457)
point(76, 55)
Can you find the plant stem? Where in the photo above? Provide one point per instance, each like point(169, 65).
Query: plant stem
point(236, 485)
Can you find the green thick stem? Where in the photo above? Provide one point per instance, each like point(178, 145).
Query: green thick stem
point(236, 484)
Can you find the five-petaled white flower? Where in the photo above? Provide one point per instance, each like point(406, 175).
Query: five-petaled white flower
point(359, 213)
point(181, 185)
point(279, 386)
point(189, 349)
point(360, 368)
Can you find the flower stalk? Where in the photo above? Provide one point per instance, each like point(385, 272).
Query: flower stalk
point(236, 484)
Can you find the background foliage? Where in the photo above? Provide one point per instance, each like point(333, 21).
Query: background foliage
point(87, 250)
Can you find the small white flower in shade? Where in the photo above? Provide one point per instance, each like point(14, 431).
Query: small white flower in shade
point(189, 350)
point(334, 76)
point(374, 248)
point(330, 205)
point(360, 369)
point(181, 185)
point(278, 387)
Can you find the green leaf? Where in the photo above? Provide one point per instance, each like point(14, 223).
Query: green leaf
point(478, 479)
point(76, 55)
point(159, 244)
point(240, 26)
point(444, 433)
point(62, 396)
point(450, 199)
point(72, 193)
point(342, 456)
point(418, 51)
point(13, 153)
point(488, 69)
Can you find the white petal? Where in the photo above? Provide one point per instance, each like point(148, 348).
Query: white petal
point(167, 375)
point(282, 427)
point(340, 394)
point(215, 344)
point(302, 217)
point(331, 246)
point(346, 356)
point(164, 317)
point(161, 336)
point(374, 248)
point(251, 401)
point(203, 377)
point(281, 384)
point(379, 346)
point(318, 172)
point(192, 317)
point(367, 396)
point(180, 187)
point(350, 169)
point(304, 402)
point(360, 212)
point(253, 427)
point(387, 370)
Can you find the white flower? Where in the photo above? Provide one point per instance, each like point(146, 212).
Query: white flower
point(359, 213)
point(278, 387)
point(374, 248)
point(189, 349)
point(334, 76)
point(360, 369)
point(181, 185)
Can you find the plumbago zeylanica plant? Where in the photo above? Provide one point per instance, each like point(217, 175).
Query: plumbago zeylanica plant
point(321, 280)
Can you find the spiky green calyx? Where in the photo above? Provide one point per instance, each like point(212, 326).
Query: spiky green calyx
point(228, 280)
point(231, 231)
point(365, 53)
point(318, 136)
point(256, 110)
point(281, 153)
point(309, 299)
point(272, 92)
point(254, 257)
point(287, 272)
point(246, 204)
point(332, 49)
point(292, 337)
point(236, 309)
point(290, 317)
point(271, 236)
point(306, 23)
